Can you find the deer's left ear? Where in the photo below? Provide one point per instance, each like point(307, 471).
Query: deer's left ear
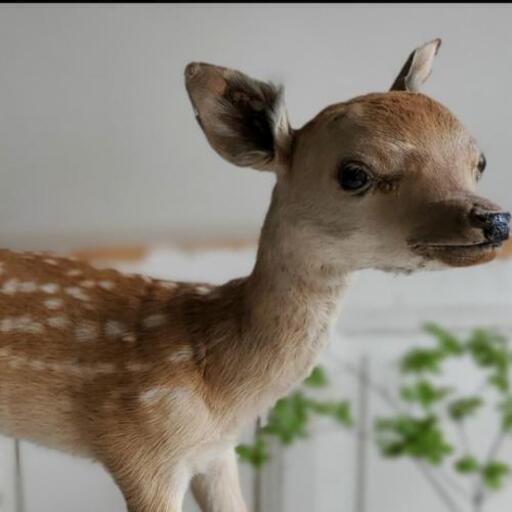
point(417, 67)
point(244, 120)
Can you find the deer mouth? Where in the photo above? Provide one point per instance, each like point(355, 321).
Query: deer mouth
point(458, 255)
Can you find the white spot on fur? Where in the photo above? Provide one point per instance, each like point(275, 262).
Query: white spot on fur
point(10, 287)
point(77, 293)
point(106, 285)
point(20, 324)
point(86, 331)
point(179, 397)
point(59, 322)
point(73, 369)
point(154, 321)
point(88, 283)
point(169, 285)
point(7, 325)
point(53, 303)
point(114, 329)
point(74, 273)
point(37, 365)
point(105, 368)
point(153, 395)
point(26, 324)
point(203, 290)
point(49, 288)
point(181, 355)
point(15, 362)
point(129, 337)
point(50, 261)
point(28, 287)
point(14, 286)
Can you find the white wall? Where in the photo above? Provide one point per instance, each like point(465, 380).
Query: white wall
point(98, 141)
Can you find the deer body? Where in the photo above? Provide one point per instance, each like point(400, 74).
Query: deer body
point(107, 365)
point(154, 378)
point(120, 337)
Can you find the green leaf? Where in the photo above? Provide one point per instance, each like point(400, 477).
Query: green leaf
point(339, 411)
point(493, 474)
point(317, 378)
point(448, 344)
point(424, 393)
point(343, 414)
point(460, 409)
point(487, 348)
point(467, 464)
point(500, 380)
point(255, 454)
point(419, 438)
point(506, 410)
point(288, 418)
point(421, 360)
point(490, 350)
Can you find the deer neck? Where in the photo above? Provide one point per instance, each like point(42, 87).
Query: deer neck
point(293, 293)
point(290, 301)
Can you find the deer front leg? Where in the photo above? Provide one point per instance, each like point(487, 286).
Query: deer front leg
point(145, 491)
point(218, 488)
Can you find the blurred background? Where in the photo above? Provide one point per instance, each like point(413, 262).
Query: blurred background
point(100, 156)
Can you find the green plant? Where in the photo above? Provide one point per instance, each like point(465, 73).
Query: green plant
point(424, 411)
point(289, 419)
point(419, 431)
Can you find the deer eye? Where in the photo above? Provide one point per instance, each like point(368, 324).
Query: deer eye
point(353, 176)
point(482, 164)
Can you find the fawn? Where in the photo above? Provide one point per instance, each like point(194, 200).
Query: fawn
point(153, 378)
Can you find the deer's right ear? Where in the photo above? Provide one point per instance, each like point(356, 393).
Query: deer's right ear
point(417, 68)
point(244, 120)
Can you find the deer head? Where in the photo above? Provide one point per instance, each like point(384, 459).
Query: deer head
point(386, 180)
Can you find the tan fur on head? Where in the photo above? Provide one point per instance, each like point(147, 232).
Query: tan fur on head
point(154, 379)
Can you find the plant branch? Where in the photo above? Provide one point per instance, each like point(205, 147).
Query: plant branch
point(479, 490)
point(368, 436)
point(384, 394)
point(381, 391)
point(436, 485)
point(461, 430)
point(446, 477)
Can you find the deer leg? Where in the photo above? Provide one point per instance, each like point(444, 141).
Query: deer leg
point(218, 488)
point(147, 491)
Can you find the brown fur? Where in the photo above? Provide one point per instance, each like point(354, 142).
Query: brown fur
point(153, 379)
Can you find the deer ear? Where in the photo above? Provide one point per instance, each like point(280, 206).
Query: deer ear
point(244, 120)
point(417, 67)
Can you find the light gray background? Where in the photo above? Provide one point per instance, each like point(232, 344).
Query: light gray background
point(97, 138)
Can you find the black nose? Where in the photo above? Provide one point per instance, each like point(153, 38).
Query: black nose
point(494, 225)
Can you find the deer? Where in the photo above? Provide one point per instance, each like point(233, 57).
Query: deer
point(153, 379)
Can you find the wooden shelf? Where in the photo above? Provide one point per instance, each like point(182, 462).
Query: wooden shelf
point(134, 253)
